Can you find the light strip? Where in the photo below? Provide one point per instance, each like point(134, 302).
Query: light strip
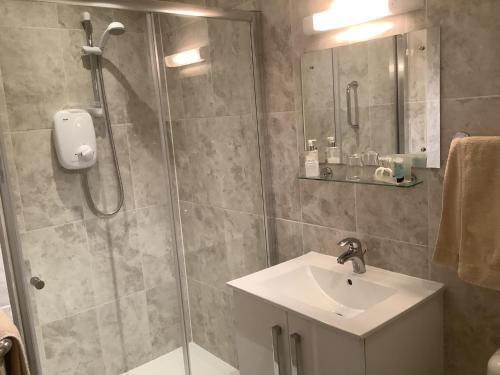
point(183, 58)
point(343, 13)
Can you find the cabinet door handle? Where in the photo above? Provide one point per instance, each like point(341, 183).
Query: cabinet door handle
point(296, 353)
point(276, 332)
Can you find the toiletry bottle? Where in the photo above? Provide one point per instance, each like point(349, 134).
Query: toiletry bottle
point(332, 152)
point(398, 169)
point(311, 159)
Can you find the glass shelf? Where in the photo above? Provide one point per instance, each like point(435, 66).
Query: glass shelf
point(407, 184)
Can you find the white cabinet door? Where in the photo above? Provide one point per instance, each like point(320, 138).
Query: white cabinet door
point(316, 349)
point(261, 337)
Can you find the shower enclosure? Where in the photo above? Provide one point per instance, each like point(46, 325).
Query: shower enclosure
point(142, 290)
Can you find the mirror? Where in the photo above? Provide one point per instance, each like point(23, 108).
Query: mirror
point(382, 96)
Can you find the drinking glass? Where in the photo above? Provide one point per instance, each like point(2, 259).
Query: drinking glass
point(354, 167)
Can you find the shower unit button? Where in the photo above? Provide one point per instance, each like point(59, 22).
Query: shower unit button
point(74, 139)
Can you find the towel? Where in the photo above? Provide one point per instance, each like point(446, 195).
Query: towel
point(469, 234)
point(15, 359)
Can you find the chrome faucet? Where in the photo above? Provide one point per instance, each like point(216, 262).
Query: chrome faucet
point(354, 253)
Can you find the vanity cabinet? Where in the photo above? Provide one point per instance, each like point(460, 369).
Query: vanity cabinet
point(273, 341)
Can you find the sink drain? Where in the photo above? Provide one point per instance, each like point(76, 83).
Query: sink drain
point(349, 281)
point(339, 314)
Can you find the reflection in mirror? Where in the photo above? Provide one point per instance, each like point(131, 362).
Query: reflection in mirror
point(377, 96)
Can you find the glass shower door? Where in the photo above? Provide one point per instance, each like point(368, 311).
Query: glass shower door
point(209, 74)
point(109, 303)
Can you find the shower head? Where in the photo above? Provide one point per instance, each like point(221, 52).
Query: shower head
point(114, 28)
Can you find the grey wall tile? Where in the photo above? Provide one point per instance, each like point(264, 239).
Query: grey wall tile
point(231, 244)
point(212, 322)
point(288, 237)
point(32, 99)
point(471, 313)
point(468, 67)
point(323, 239)
point(156, 243)
point(72, 345)
point(477, 116)
point(128, 78)
point(14, 180)
point(396, 256)
point(116, 256)
point(27, 14)
point(278, 52)
point(231, 64)
point(60, 257)
point(330, 204)
point(398, 214)
point(78, 84)
point(148, 174)
point(223, 168)
point(283, 165)
point(124, 333)
point(164, 318)
point(50, 194)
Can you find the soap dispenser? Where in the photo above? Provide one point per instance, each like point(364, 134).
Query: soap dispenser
point(332, 152)
point(312, 159)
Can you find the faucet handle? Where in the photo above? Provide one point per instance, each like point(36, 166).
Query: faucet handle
point(353, 243)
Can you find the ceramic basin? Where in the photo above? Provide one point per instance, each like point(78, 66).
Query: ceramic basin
point(316, 286)
point(331, 291)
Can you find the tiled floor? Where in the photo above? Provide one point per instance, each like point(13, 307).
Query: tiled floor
point(202, 363)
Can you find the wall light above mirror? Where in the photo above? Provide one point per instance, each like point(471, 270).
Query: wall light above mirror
point(379, 96)
point(344, 13)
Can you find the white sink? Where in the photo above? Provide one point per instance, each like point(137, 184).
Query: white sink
point(330, 291)
point(317, 287)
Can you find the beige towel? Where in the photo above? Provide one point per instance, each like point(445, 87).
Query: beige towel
point(15, 360)
point(469, 234)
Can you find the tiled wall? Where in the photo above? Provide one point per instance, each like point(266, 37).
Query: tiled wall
point(216, 149)
point(398, 226)
point(110, 300)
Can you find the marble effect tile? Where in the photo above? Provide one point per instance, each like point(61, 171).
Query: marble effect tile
point(212, 322)
point(278, 53)
point(288, 239)
point(27, 14)
point(328, 204)
point(115, 256)
point(164, 318)
point(469, 26)
point(400, 214)
point(72, 345)
point(50, 194)
point(155, 233)
point(231, 66)
point(223, 170)
point(32, 99)
point(230, 243)
point(124, 333)
point(283, 165)
point(147, 164)
point(54, 254)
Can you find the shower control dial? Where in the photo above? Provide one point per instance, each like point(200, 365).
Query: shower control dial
point(85, 153)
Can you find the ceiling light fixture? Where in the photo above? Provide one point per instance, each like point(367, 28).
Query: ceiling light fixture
point(344, 13)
